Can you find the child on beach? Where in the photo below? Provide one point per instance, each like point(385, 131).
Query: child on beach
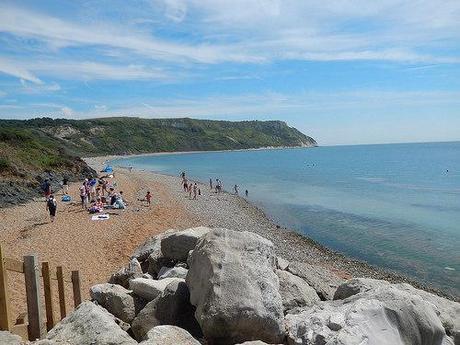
point(148, 198)
point(65, 185)
point(51, 207)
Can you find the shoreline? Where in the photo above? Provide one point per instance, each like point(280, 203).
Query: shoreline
point(287, 241)
point(265, 148)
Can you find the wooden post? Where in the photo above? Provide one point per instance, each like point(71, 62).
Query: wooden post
point(76, 288)
point(5, 319)
point(60, 278)
point(47, 287)
point(32, 279)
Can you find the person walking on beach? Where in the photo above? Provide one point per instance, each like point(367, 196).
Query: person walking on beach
point(210, 183)
point(190, 187)
point(195, 190)
point(51, 207)
point(185, 185)
point(235, 188)
point(148, 198)
point(65, 185)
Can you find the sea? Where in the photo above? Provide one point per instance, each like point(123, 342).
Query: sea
point(396, 206)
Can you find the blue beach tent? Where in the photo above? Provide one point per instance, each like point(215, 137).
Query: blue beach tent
point(108, 169)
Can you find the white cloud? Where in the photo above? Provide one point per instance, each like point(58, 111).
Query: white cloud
point(14, 70)
point(255, 31)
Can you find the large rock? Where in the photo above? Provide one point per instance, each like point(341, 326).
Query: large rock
point(172, 307)
point(7, 338)
point(234, 288)
point(172, 272)
point(89, 324)
point(116, 299)
point(324, 281)
point(151, 246)
point(149, 289)
point(384, 316)
point(122, 277)
point(169, 335)
point(295, 292)
point(448, 311)
point(176, 246)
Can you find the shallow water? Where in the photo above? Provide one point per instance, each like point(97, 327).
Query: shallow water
point(396, 206)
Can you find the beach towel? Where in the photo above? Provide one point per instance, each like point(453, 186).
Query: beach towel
point(66, 198)
point(100, 217)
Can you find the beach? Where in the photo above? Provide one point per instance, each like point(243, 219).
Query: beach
point(98, 248)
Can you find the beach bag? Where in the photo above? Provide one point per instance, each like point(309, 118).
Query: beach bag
point(66, 198)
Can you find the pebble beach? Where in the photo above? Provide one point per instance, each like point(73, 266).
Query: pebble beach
point(98, 248)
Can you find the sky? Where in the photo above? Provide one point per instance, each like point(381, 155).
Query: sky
point(341, 71)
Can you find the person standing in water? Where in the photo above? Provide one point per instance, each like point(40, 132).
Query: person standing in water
point(235, 188)
point(51, 207)
point(210, 183)
point(247, 193)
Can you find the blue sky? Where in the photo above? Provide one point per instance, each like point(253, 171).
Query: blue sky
point(342, 71)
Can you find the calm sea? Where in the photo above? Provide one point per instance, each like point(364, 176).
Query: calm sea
point(396, 206)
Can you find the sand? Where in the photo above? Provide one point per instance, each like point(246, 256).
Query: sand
point(95, 248)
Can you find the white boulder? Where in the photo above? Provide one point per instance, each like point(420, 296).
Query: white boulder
point(149, 289)
point(234, 287)
point(89, 324)
point(176, 246)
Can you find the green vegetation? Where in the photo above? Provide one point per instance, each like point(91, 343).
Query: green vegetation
point(33, 150)
point(129, 135)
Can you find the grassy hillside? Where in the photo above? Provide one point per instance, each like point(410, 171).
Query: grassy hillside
point(134, 135)
point(28, 157)
point(33, 150)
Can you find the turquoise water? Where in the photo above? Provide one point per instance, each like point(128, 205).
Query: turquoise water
point(396, 206)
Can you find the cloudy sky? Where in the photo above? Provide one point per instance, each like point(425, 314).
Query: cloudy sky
point(342, 71)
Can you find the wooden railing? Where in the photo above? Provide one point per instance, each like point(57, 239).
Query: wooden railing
point(38, 322)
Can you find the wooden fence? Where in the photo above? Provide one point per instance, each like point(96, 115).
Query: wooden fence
point(38, 322)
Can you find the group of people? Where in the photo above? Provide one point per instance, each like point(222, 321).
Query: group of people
point(100, 194)
point(217, 187)
point(190, 187)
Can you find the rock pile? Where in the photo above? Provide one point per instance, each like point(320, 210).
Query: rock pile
point(218, 286)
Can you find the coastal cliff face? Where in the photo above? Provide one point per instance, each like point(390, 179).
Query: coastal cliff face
point(33, 150)
point(221, 286)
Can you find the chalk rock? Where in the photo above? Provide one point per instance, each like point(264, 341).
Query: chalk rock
point(172, 272)
point(172, 307)
point(295, 292)
point(149, 289)
point(116, 299)
point(281, 263)
point(319, 278)
point(122, 277)
point(384, 316)
point(89, 324)
point(151, 246)
point(177, 245)
point(234, 288)
point(448, 311)
point(7, 338)
point(169, 335)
